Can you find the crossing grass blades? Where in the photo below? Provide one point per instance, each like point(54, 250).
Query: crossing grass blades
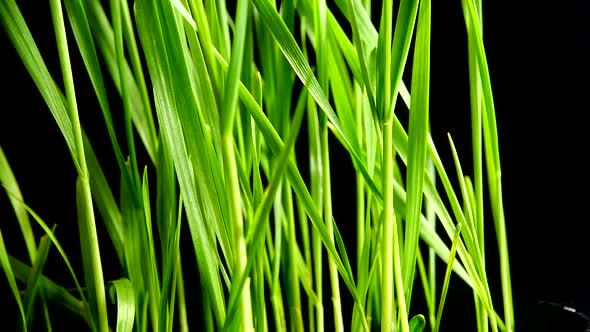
point(218, 125)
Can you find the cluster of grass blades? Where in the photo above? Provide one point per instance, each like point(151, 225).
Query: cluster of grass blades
point(218, 125)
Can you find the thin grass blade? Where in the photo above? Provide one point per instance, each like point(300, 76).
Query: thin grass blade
point(445, 288)
point(8, 180)
point(32, 290)
point(5, 262)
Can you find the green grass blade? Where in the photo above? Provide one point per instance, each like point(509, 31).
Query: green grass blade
point(361, 56)
point(32, 290)
point(417, 323)
point(91, 256)
point(105, 201)
point(46, 315)
point(121, 292)
point(342, 90)
point(22, 40)
point(470, 236)
point(83, 36)
point(295, 261)
point(474, 27)
point(229, 109)
point(150, 271)
point(184, 13)
point(404, 28)
point(327, 74)
point(276, 145)
point(391, 274)
point(476, 135)
point(417, 143)
point(180, 290)
point(232, 78)
point(131, 173)
point(8, 180)
point(143, 117)
point(445, 288)
point(359, 13)
point(93, 274)
point(256, 231)
point(316, 174)
point(24, 271)
point(153, 42)
point(205, 157)
point(140, 107)
point(425, 280)
point(171, 270)
point(301, 67)
point(51, 291)
point(5, 262)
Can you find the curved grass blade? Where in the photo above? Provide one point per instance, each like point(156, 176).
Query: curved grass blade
point(121, 292)
point(184, 13)
point(5, 262)
point(417, 323)
point(57, 245)
point(8, 180)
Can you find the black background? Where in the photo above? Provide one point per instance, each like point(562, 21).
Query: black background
point(537, 54)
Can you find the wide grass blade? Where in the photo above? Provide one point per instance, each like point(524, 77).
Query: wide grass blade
point(417, 143)
point(121, 292)
point(417, 323)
